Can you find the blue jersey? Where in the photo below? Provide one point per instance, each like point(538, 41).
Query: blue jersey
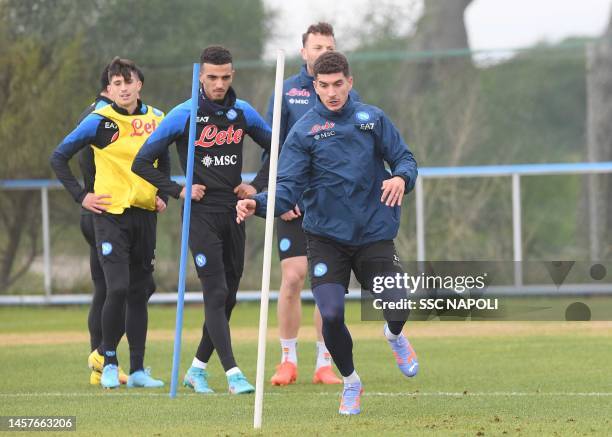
point(336, 160)
point(220, 132)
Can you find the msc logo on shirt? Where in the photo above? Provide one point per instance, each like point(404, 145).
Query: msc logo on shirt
point(299, 101)
point(325, 134)
point(219, 161)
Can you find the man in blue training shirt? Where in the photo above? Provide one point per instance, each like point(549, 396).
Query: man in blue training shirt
point(216, 241)
point(335, 157)
point(298, 98)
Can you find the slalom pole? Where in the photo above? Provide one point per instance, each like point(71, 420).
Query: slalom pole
point(180, 299)
point(265, 279)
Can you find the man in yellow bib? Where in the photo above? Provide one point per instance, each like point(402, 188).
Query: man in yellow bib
point(125, 221)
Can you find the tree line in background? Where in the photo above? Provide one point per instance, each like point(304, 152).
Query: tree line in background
point(452, 108)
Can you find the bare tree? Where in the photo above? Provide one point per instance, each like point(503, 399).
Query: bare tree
point(599, 141)
point(441, 28)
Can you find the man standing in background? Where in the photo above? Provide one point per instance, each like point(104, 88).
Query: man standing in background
point(216, 241)
point(124, 220)
point(95, 361)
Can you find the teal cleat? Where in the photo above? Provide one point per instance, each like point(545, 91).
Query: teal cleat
point(405, 357)
point(350, 403)
point(197, 379)
point(110, 376)
point(143, 378)
point(238, 384)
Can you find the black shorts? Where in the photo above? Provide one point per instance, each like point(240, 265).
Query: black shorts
point(332, 262)
point(87, 229)
point(127, 238)
point(290, 238)
point(216, 242)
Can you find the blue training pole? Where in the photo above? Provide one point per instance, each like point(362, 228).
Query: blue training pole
point(180, 300)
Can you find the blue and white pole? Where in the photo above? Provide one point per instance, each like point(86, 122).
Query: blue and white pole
point(180, 300)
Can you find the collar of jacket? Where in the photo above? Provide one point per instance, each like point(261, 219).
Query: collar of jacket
point(344, 112)
point(101, 98)
point(141, 108)
point(305, 78)
point(207, 105)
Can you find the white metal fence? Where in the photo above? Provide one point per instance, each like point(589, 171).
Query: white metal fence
point(514, 172)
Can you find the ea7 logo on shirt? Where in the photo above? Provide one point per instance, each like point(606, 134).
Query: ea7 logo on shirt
point(200, 119)
point(319, 127)
point(218, 161)
point(366, 126)
point(140, 128)
point(211, 136)
point(110, 125)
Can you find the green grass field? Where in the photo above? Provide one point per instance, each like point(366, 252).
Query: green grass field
point(476, 379)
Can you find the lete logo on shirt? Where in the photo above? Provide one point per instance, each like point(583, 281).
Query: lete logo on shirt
point(319, 127)
point(140, 128)
point(295, 92)
point(211, 135)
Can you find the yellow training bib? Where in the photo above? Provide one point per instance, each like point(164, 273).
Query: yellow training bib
point(114, 174)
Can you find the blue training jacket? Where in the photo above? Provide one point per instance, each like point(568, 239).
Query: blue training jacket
point(336, 160)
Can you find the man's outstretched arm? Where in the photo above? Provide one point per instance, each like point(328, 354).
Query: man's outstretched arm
point(292, 179)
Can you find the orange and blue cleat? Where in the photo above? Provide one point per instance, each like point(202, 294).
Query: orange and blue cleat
point(350, 403)
point(405, 357)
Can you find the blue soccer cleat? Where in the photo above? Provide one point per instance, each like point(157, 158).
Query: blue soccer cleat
point(238, 384)
point(404, 355)
point(143, 378)
point(197, 379)
point(350, 403)
point(110, 376)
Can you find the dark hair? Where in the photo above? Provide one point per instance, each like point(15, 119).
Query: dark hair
point(140, 74)
point(123, 67)
point(331, 62)
point(216, 55)
point(104, 81)
point(321, 27)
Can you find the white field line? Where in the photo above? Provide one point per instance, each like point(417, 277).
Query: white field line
point(377, 394)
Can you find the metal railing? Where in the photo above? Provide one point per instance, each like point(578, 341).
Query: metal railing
point(514, 172)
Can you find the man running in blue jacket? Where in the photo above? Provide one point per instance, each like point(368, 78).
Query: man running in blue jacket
point(335, 157)
point(298, 98)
